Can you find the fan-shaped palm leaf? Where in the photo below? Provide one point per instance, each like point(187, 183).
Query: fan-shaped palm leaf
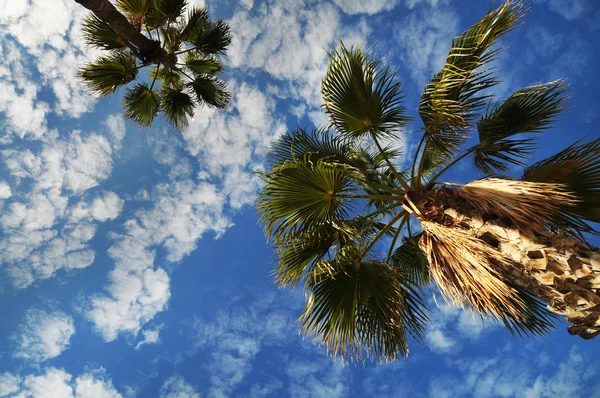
point(361, 309)
point(529, 110)
point(135, 9)
point(298, 194)
point(99, 34)
point(578, 169)
point(204, 65)
point(197, 18)
point(176, 106)
point(170, 9)
point(453, 96)
point(210, 37)
point(210, 91)
point(410, 260)
point(141, 104)
point(107, 74)
point(360, 95)
point(469, 272)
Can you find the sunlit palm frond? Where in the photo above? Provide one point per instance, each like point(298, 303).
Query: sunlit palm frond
point(361, 309)
point(134, 9)
point(210, 37)
point(99, 34)
point(529, 110)
point(210, 91)
point(141, 104)
point(203, 65)
point(361, 95)
point(107, 74)
point(527, 204)
point(169, 76)
point(454, 96)
point(176, 106)
point(170, 9)
point(298, 194)
point(411, 262)
point(469, 272)
point(578, 169)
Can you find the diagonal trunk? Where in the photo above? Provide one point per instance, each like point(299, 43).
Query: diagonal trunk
point(558, 269)
point(148, 50)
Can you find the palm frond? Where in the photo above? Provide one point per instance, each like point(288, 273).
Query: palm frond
point(197, 17)
point(210, 37)
point(203, 65)
point(134, 9)
point(170, 9)
point(578, 169)
point(360, 95)
point(529, 110)
point(141, 104)
point(453, 97)
point(411, 262)
point(361, 309)
point(468, 272)
point(176, 106)
point(210, 91)
point(99, 34)
point(107, 74)
point(527, 204)
point(298, 194)
point(169, 76)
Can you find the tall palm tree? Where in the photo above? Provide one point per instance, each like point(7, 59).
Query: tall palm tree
point(181, 51)
point(509, 249)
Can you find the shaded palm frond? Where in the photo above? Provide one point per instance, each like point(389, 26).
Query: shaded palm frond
point(410, 261)
point(362, 309)
point(141, 104)
point(203, 65)
point(453, 97)
point(210, 37)
point(176, 106)
point(197, 17)
point(169, 76)
point(107, 74)
point(529, 110)
point(298, 194)
point(210, 91)
point(170, 9)
point(360, 95)
point(527, 204)
point(99, 34)
point(578, 169)
point(469, 272)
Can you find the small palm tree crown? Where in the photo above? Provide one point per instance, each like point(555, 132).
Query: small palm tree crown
point(336, 203)
point(182, 74)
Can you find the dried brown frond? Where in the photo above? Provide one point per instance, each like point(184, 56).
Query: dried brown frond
point(524, 202)
point(466, 271)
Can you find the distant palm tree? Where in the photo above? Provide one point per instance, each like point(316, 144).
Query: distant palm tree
point(503, 247)
point(183, 54)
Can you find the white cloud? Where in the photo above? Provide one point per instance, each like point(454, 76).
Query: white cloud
point(43, 335)
point(317, 378)
point(365, 6)
point(568, 9)
point(177, 387)
point(150, 336)
point(5, 191)
point(57, 383)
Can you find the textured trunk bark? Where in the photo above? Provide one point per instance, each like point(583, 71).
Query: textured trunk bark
point(148, 50)
point(560, 270)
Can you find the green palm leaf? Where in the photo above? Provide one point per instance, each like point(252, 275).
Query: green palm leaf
point(107, 74)
point(210, 91)
point(411, 262)
point(529, 110)
point(578, 167)
point(141, 104)
point(170, 9)
point(360, 95)
point(99, 34)
point(361, 309)
point(176, 106)
point(197, 18)
point(210, 37)
point(453, 97)
point(298, 194)
point(204, 65)
point(135, 9)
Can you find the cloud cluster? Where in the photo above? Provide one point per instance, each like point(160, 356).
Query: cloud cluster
point(177, 387)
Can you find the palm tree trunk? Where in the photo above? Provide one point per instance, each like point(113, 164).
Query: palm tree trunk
point(558, 269)
point(148, 50)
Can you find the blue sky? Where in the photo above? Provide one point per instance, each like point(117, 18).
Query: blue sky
point(132, 262)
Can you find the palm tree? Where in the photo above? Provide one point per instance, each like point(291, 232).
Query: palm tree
point(512, 250)
point(181, 51)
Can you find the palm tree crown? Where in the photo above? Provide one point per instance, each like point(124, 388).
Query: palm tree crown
point(511, 250)
point(183, 58)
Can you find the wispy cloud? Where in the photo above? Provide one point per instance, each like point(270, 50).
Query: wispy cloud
point(177, 387)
